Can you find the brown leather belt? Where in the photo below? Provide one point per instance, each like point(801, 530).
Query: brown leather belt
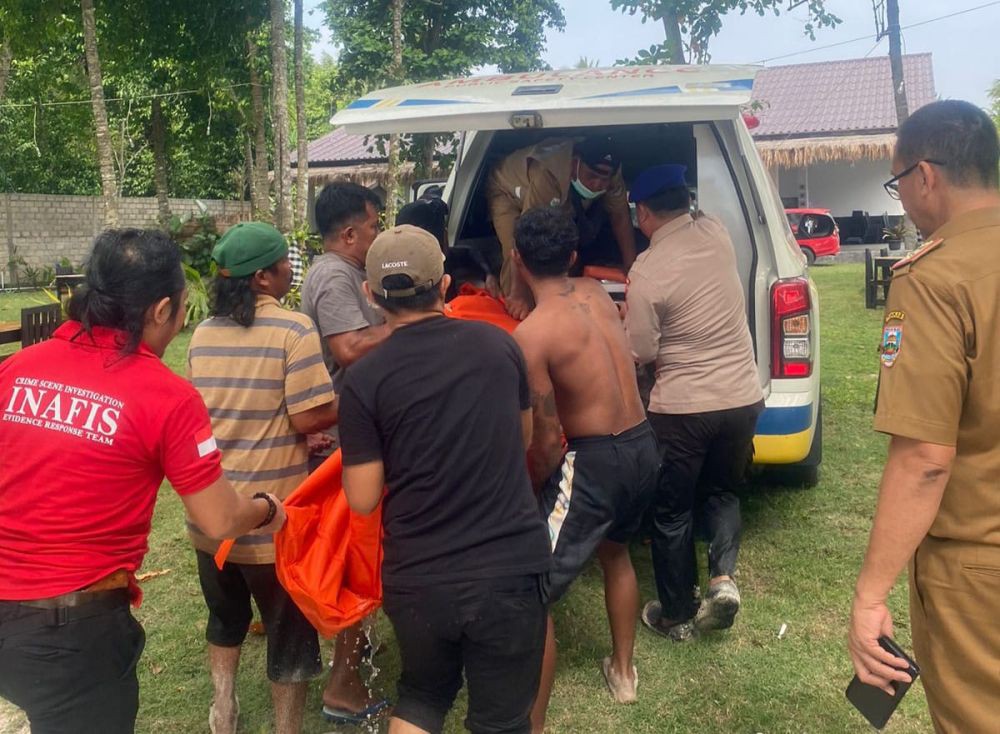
point(58, 610)
point(76, 599)
point(109, 587)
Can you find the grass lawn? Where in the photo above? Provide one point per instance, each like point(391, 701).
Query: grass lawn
point(10, 310)
point(802, 549)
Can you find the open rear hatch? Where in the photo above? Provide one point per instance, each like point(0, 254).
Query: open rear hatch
point(550, 99)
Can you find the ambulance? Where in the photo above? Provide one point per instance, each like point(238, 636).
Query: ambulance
point(693, 115)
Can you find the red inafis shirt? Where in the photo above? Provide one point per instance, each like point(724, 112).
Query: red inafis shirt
point(86, 438)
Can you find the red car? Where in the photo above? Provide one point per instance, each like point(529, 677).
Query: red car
point(815, 231)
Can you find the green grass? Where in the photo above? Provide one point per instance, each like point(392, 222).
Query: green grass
point(10, 310)
point(801, 551)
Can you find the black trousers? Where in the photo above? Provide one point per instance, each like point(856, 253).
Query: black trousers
point(71, 676)
point(493, 630)
point(704, 459)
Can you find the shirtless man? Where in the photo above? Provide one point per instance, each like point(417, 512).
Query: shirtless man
point(583, 384)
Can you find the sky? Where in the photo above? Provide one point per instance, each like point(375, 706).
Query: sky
point(965, 46)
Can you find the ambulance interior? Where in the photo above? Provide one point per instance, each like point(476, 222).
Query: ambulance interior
point(699, 146)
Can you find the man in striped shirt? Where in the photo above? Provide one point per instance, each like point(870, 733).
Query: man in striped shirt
point(260, 370)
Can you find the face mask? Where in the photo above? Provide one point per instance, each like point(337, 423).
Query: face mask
point(582, 190)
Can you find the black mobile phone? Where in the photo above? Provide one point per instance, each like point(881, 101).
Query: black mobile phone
point(875, 704)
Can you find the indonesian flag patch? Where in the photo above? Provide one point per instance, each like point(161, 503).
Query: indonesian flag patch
point(205, 442)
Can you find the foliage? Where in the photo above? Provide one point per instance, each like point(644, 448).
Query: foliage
point(197, 237)
point(701, 20)
point(442, 39)
point(995, 97)
point(39, 277)
point(895, 233)
point(309, 243)
point(199, 302)
point(192, 50)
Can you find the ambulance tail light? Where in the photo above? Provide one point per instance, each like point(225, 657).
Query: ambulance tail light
point(791, 337)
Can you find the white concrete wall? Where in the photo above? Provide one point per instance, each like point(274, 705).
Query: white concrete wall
point(841, 187)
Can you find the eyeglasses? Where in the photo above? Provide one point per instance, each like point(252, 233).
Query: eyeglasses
point(892, 185)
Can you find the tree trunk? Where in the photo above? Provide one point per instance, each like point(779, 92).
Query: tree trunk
point(301, 134)
point(429, 150)
point(396, 74)
point(279, 91)
point(249, 185)
point(109, 185)
point(160, 163)
point(896, 61)
point(261, 193)
point(672, 29)
point(6, 56)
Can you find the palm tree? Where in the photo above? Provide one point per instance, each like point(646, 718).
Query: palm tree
point(301, 134)
point(109, 185)
point(279, 94)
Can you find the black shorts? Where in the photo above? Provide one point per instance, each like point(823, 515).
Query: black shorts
point(77, 674)
point(600, 491)
point(493, 629)
point(292, 643)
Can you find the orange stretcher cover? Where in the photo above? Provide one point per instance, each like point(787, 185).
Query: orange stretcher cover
point(328, 558)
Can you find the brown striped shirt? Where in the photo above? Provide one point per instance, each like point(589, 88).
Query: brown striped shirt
point(252, 380)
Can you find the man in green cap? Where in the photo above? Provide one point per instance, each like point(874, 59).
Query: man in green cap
point(260, 370)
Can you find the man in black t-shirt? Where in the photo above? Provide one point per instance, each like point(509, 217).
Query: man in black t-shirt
point(464, 543)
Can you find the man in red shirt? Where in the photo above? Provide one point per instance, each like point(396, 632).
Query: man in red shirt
point(91, 422)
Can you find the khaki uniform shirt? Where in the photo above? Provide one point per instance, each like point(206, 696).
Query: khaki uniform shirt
point(252, 379)
point(939, 376)
point(539, 176)
point(687, 312)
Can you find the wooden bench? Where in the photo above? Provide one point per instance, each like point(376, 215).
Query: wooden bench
point(878, 276)
point(39, 322)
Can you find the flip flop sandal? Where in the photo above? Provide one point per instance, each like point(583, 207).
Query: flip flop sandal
point(343, 716)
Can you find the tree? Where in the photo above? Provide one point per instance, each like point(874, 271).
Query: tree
point(6, 57)
point(396, 74)
point(701, 20)
point(995, 96)
point(279, 97)
point(443, 38)
point(896, 62)
point(261, 203)
point(109, 185)
point(301, 135)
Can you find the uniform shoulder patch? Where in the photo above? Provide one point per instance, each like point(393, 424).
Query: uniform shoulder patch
point(895, 316)
point(892, 342)
point(924, 249)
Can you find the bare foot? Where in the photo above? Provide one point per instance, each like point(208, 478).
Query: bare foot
point(622, 685)
point(346, 692)
point(223, 715)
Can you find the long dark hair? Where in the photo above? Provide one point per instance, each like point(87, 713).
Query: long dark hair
point(235, 299)
point(128, 271)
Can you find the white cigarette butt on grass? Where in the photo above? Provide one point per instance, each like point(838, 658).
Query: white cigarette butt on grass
point(782, 631)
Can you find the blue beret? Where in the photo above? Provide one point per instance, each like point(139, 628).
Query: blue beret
point(653, 180)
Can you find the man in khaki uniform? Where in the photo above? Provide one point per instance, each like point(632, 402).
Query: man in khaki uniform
point(687, 315)
point(939, 400)
point(559, 172)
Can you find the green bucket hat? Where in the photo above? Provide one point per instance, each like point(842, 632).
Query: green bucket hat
point(248, 247)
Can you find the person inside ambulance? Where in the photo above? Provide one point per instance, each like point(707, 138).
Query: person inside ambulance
point(581, 177)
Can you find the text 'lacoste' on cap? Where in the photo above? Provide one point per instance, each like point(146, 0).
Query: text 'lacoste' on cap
point(404, 250)
point(248, 247)
point(653, 180)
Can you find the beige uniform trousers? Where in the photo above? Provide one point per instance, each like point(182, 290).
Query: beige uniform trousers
point(955, 620)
